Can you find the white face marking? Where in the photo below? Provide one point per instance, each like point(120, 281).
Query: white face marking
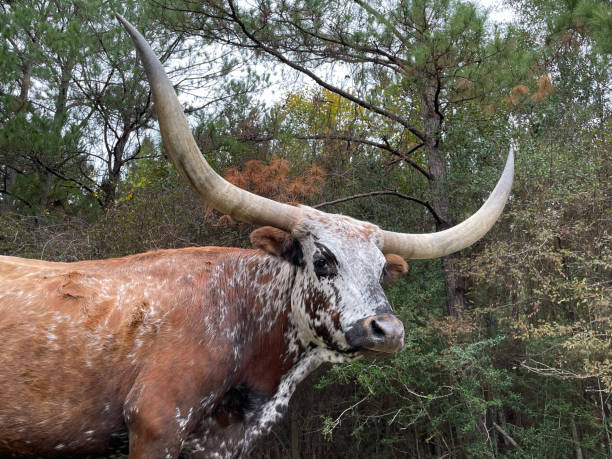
point(322, 308)
point(353, 291)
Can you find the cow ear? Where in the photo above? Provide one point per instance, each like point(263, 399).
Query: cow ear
point(278, 243)
point(395, 268)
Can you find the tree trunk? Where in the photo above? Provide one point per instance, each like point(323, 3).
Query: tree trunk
point(7, 200)
point(295, 434)
point(19, 105)
point(45, 195)
point(455, 287)
point(59, 119)
point(576, 438)
point(432, 122)
point(108, 190)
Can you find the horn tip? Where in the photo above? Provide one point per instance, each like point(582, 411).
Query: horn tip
point(510, 159)
point(121, 19)
point(127, 25)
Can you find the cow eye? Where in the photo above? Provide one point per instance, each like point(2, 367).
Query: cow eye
point(321, 267)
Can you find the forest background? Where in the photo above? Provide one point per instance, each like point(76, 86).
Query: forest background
point(405, 108)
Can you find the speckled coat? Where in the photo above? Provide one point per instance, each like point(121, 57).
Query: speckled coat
point(191, 352)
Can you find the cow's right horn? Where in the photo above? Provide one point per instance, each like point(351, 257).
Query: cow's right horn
point(445, 242)
point(186, 156)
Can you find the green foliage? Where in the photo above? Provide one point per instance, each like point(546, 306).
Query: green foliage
point(526, 372)
point(588, 19)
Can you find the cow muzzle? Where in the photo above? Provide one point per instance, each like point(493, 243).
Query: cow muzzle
point(379, 333)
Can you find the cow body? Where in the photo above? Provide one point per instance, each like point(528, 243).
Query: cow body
point(193, 350)
point(78, 339)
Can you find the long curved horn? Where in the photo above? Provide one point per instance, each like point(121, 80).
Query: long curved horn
point(434, 245)
point(187, 158)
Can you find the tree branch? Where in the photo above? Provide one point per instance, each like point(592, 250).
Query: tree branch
point(382, 193)
point(14, 196)
point(68, 179)
point(384, 146)
point(505, 435)
point(342, 42)
point(319, 81)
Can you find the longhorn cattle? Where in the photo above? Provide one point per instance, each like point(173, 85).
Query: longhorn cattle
point(196, 352)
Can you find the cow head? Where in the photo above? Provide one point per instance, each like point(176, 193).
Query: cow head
point(337, 299)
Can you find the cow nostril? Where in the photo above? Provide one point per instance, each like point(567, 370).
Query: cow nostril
point(380, 333)
point(376, 329)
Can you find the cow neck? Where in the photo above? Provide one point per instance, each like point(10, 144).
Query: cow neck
point(251, 295)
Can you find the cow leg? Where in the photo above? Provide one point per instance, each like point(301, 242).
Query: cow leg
point(153, 428)
point(168, 399)
point(215, 440)
point(142, 447)
point(159, 417)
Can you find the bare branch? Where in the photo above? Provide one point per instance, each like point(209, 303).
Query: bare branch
point(68, 179)
point(382, 193)
point(14, 196)
point(384, 146)
point(505, 435)
point(321, 82)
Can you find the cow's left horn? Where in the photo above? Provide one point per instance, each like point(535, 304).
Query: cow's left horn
point(186, 156)
point(458, 237)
